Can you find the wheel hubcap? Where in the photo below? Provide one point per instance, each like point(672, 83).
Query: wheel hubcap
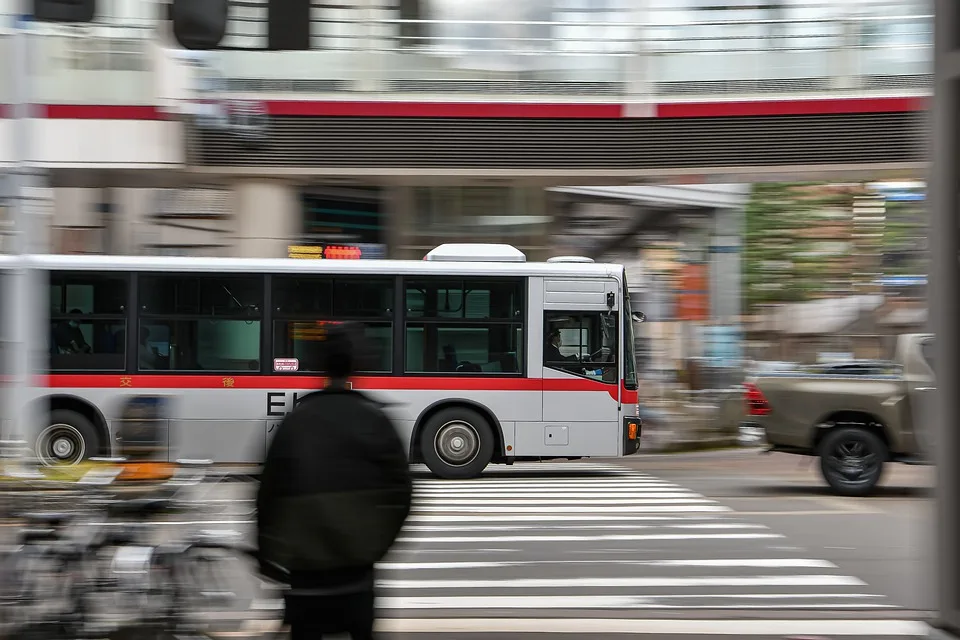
point(62, 448)
point(457, 443)
point(60, 444)
point(854, 461)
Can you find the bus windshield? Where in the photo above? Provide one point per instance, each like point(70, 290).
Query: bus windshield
point(629, 343)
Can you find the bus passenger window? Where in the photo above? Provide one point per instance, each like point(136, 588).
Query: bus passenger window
point(305, 306)
point(87, 321)
point(583, 343)
point(464, 325)
point(205, 323)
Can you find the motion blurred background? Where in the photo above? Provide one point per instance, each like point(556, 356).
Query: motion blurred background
point(755, 165)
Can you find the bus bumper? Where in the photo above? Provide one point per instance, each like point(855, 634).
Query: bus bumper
point(632, 427)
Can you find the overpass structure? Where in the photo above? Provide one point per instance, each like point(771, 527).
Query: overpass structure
point(395, 107)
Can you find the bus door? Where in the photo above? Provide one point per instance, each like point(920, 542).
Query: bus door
point(581, 378)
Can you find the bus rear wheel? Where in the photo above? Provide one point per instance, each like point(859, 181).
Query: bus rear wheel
point(457, 443)
point(68, 439)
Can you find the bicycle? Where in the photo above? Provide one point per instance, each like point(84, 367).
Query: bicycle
point(117, 565)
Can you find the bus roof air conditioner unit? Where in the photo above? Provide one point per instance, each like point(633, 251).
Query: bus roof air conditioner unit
point(467, 252)
point(580, 259)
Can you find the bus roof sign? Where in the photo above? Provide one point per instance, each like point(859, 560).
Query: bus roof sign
point(466, 252)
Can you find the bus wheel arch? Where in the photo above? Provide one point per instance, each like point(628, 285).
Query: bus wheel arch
point(70, 418)
point(477, 422)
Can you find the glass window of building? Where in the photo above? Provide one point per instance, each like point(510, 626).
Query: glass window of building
point(594, 26)
point(207, 323)
point(347, 217)
point(494, 213)
point(87, 321)
point(337, 25)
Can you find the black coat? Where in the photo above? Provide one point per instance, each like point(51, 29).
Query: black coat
point(335, 491)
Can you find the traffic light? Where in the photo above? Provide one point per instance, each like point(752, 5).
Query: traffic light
point(199, 24)
point(64, 10)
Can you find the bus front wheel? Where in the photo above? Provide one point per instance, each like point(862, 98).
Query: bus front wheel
point(457, 443)
point(69, 438)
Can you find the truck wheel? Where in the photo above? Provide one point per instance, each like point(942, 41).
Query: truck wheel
point(69, 438)
point(852, 460)
point(457, 443)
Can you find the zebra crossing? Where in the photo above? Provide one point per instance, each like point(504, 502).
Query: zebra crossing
point(556, 548)
point(587, 536)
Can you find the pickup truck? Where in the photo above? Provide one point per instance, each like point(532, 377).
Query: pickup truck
point(856, 417)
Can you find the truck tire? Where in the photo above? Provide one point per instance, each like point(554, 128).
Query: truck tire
point(69, 438)
point(852, 460)
point(457, 443)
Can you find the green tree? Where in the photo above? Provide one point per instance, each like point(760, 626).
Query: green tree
point(797, 242)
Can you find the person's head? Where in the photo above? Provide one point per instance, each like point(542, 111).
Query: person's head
point(75, 317)
point(554, 338)
point(341, 351)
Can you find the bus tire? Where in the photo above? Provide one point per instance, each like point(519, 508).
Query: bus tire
point(457, 443)
point(68, 438)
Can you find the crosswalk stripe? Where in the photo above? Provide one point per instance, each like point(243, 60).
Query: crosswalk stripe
point(594, 538)
point(574, 517)
point(584, 508)
point(454, 502)
point(611, 582)
point(586, 527)
point(768, 563)
point(828, 600)
point(868, 628)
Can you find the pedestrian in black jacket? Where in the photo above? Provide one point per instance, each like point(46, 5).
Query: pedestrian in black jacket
point(334, 494)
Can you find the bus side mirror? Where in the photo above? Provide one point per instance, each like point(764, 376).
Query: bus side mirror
point(638, 316)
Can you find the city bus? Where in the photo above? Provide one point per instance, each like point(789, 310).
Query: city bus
point(478, 355)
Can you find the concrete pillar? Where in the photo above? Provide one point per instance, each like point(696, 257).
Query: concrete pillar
point(268, 218)
point(76, 221)
point(131, 220)
point(399, 213)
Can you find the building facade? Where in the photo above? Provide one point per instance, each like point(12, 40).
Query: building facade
point(399, 124)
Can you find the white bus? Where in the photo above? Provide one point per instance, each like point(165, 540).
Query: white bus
point(478, 355)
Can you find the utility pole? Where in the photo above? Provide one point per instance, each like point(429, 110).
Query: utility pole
point(944, 302)
point(24, 308)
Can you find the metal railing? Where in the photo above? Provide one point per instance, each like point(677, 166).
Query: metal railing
point(649, 61)
point(889, 54)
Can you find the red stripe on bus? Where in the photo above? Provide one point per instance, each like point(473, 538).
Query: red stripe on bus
point(268, 383)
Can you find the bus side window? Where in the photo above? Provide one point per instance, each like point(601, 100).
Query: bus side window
point(468, 326)
point(87, 321)
point(206, 323)
point(305, 306)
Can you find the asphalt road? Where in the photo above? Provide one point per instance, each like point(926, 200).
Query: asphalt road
point(885, 539)
point(696, 545)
